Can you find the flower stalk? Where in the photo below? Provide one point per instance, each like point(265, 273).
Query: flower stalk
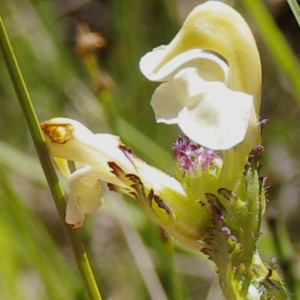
point(46, 163)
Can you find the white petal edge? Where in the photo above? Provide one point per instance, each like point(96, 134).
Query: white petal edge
point(210, 66)
point(74, 215)
point(168, 100)
point(220, 118)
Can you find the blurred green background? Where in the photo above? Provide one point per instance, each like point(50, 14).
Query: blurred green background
point(96, 80)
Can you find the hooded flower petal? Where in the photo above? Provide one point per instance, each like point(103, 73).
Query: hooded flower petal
point(216, 27)
point(210, 66)
point(213, 78)
point(70, 140)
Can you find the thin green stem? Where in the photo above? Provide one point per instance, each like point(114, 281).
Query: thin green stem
point(46, 163)
point(295, 9)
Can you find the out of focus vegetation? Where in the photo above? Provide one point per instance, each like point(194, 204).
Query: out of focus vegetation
point(95, 79)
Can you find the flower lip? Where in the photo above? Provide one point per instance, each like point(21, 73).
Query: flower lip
point(208, 112)
point(211, 66)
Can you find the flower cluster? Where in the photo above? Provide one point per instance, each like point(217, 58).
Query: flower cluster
point(211, 86)
point(205, 90)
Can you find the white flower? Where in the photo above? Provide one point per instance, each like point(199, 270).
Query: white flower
point(68, 140)
point(197, 98)
point(205, 90)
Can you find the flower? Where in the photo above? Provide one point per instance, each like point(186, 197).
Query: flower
point(104, 157)
point(68, 140)
point(212, 78)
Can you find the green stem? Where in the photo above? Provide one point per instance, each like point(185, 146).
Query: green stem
point(295, 9)
point(226, 280)
point(46, 163)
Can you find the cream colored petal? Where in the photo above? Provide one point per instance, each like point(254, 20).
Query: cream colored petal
point(168, 100)
point(171, 97)
point(74, 215)
point(209, 65)
point(221, 29)
point(207, 112)
point(63, 166)
point(71, 140)
point(109, 145)
point(149, 61)
point(93, 172)
point(88, 193)
point(218, 118)
point(85, 197)
point(155, 179)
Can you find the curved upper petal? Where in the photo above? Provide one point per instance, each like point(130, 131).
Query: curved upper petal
point(210, 66)
point(71, 140)
point(213, 73)
point(217, 27)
